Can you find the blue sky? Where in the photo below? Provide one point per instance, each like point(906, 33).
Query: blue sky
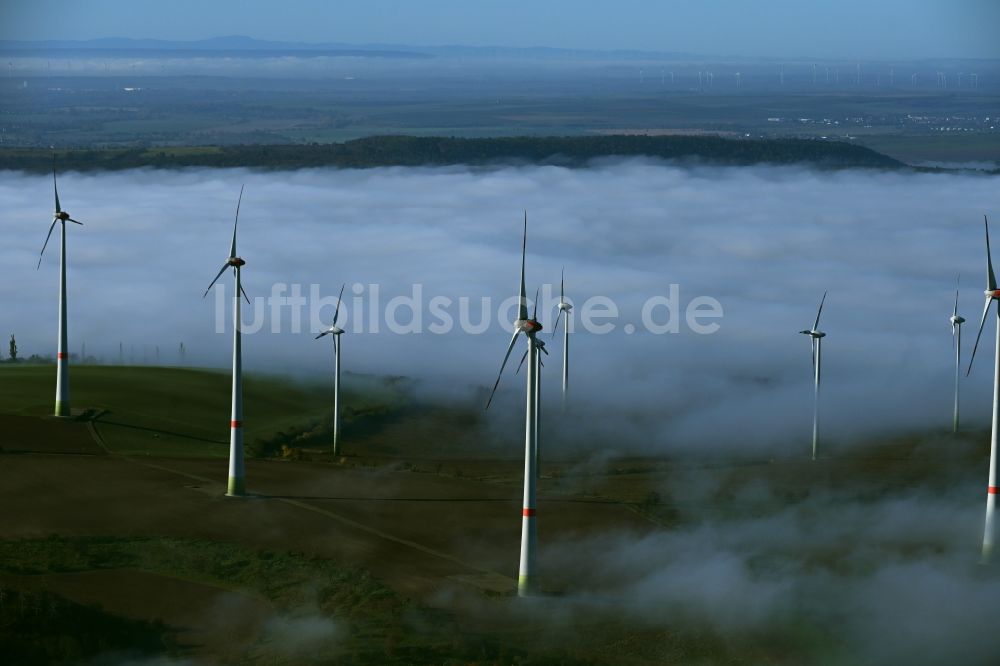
point(839, 29)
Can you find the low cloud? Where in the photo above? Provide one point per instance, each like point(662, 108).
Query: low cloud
point(301, 636)
point(885, 581)
point(765, 242)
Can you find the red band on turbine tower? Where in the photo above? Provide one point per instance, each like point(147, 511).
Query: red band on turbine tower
point(528, 513)
point(993, 490)
point(236, 424)
point(62, 355)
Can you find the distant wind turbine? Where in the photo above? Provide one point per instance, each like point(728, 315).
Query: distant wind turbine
point(992, 294)
point(236, 486)
point(526, 583)
point(564, 309)
point(62, 352)
point(956, 341)
point(816, 337)
point(335, 332)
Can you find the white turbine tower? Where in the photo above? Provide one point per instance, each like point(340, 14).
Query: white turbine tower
point(526, 583)
point(236, 486)
point(564, 309)
point(536, 386)
point(62, 352)
point(335, 332)
point(956, 340)
point(992, 294)
point(816, 337)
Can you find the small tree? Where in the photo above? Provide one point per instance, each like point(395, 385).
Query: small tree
point(13, 349)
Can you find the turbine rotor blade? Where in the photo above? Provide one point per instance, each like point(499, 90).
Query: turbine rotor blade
point(986, 311)
point(990, 275)
point(76, 221)
point(534, 310)
point(819, 312)
point(336, 312)
point(522, 307)
point(221, 271)
point(232, 250)
point(244, 292)
point(556, 326)
point(813, 341)
point(321, 335)
point(46, 244)
point(524, 356)
point(562, 285)
point(503, 365)
point(958, 283)
point(55, 188)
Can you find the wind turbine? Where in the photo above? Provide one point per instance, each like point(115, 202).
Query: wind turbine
point(992, 294)
point(530, 327)
point(236, 486)
point(335, 332)
point(956, 340)
point(816, 336)
point(564, 308)
point(62, 352)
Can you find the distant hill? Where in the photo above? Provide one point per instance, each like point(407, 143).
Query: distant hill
point(219, 46)
point(249, 46)
point(440, 151)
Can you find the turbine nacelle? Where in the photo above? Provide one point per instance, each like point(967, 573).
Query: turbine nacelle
point(814, 334)
point(956, 320)
point(528, 326)
point(992, 293)
point(333, 330)
point(564, 306)
point(235, 262)
point(60, 215)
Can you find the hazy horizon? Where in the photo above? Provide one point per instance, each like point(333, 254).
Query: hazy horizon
point(895, 29)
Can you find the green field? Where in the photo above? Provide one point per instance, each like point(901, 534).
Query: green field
point(948, 148)
point(118, 542)
point(181, 411)
point(88, 112)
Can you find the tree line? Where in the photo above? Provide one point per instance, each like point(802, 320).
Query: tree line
point(378, 151)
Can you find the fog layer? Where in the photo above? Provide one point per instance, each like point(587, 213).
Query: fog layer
point(764, 242)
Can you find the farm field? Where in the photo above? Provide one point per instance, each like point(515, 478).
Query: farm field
point(380, 556)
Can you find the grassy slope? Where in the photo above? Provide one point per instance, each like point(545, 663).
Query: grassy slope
point(180, 411)
point(189, 399)
point(381, 623)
